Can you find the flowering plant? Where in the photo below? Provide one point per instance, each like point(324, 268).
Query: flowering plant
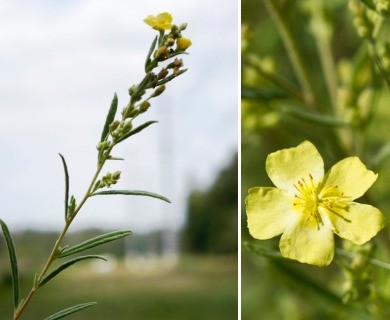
point(115, 131)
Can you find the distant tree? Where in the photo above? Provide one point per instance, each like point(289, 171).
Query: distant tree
point(212, 215)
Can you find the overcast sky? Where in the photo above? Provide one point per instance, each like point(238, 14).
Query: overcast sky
point(62, 61)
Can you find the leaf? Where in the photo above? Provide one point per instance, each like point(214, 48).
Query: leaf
point(381, 157)
point(313, 118)
point(68, 311)
point(261, 94)
point(110, 117)
point(66, 265)
point(151, 49)
point(132, 193)
point(136, 130)
point(66, 185)
point(108, 237)
point(13, 261)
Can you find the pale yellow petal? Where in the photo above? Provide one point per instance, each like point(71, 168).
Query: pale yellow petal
point(309, 241)
point(286, 167)
point(268, 210)
point(351, 177)
point(357, 223)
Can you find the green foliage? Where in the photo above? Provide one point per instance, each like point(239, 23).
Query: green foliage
point(66, 185)
point(94, 242)
point(132, 193)
point(14, 263)
point(63, 313)
point(212, 215)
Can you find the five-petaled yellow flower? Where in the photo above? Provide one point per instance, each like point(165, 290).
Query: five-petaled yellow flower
point(307, 207)
point(163, 21)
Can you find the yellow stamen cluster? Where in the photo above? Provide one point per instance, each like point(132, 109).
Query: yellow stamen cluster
point(311, 198)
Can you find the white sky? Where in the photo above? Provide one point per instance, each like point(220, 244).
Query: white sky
point(60, 64)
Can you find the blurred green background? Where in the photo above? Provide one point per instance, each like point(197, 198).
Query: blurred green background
point(279, 289)
point(202, 284)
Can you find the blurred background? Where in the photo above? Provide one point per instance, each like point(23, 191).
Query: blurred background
point(61, 63)
point(273, 119)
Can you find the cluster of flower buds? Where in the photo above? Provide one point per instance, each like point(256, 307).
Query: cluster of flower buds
point(119, 128)
point(364, 20)
point(108, 180)
point(384, 53)
point(382, 7)
point(358, 284)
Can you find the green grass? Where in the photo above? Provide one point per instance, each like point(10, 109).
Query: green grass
point(199, 288)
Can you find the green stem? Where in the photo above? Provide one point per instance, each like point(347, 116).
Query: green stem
point(53, 254)
point(293, 52)
point(322, 32)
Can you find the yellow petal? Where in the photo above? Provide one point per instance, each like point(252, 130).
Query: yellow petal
point(358, 223)
point(163, 21)
point(286, 167)
point(309, 241)
point(351, 177)
point(269, 210)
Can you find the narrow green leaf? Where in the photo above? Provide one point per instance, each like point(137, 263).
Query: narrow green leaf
point(136, 130)
point(108, 237)
point(66, 265)
point(264, 251)
point(14, 263)
point(66, 185)
point(132, 193)
point(110, 117)
point(313, 118)
point(253, 93)
point(63, 313)
point(151, 49)
point(381, 157)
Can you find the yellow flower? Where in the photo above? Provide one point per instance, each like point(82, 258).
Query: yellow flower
point(307, 207)
point(183, 44)
point(163, 21)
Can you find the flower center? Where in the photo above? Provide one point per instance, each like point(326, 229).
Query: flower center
point(311, 199)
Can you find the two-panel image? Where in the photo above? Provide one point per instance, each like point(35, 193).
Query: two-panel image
point(194, 160)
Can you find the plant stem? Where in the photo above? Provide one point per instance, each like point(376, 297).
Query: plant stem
point(57, 244)
point(293, 52)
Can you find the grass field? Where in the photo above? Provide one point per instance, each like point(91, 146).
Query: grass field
point(199, 288)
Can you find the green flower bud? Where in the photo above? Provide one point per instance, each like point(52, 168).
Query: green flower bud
point(183, 26)
point(103, 145)
point(132, 89)
point(144, 106)
point(114, 125)
point(158, 91)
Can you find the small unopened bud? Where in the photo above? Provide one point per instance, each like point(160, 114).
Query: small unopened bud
point(116, 175)
point(158, 91)
point(161, 53)
point(170, 42)
point(127, 126)
point(144, 106)
point(132, 89)
point(182, 44)
point(162, 74)
point(114, 125)
point(183, 26)
point(103, 145)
